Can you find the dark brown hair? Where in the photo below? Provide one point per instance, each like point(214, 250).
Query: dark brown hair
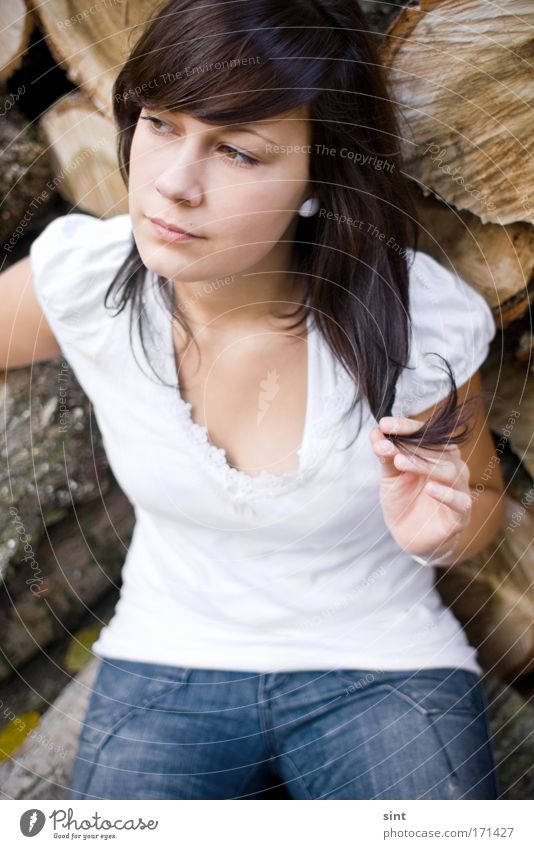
point(265, 58)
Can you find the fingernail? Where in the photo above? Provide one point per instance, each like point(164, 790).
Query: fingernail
point(390, 424)
point(386, 447)
point(407, 461)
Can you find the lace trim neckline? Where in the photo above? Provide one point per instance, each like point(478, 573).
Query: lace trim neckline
point(241, 486)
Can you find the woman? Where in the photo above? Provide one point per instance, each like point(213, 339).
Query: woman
point(278, 621)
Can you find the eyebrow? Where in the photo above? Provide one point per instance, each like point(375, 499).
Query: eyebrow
point(229, 128)
point(235, 128)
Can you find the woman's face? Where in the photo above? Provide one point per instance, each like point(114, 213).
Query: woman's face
point(237, 191)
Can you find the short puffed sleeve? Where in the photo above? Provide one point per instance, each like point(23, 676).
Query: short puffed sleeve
point(73, 261)
point(450, 318)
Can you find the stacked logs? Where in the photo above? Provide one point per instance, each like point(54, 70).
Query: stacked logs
point(466, 108)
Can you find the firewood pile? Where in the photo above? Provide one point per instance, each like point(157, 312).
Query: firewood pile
point(461, 72)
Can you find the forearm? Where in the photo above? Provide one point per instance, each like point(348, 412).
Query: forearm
point(487, 522)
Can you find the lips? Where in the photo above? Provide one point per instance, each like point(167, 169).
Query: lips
point(171, 227)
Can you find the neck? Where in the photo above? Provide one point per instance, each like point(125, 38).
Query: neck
point(256, 296)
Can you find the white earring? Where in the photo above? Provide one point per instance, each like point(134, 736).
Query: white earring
point(309, 207)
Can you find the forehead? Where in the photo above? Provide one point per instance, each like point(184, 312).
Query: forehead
point(285, 124)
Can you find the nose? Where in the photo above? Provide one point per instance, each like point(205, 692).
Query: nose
point(179, 180)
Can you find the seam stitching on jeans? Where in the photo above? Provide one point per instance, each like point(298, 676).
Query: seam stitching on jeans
point(267, 734)
point(248, 778)
point(456, 709)
point(136, 709)
point(298, 776)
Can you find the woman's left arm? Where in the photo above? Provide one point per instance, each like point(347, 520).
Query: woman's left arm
point(469, 510)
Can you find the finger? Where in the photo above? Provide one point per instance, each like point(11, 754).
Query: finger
point(436, 455)
point(444, 471)
point(402, 426)
point(385, 451)
point(379, 441)
point(454, 498)
point(399, 425)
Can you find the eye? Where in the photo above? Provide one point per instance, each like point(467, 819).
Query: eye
point(246, 161)
point(153, 120)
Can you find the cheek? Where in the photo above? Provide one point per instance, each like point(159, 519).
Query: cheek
point(280, 196)
point(141, 161)
point(261, 211)
point(136, 153)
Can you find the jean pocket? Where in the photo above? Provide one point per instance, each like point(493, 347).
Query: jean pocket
point(428, 691)
point(122, 688)
point(458, 691)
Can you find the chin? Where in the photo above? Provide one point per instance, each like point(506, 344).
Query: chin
point(163, 270)
point(155, 262)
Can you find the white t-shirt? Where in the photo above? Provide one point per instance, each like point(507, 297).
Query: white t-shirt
point(256, 573)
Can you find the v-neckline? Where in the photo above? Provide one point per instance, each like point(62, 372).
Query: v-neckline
point(216, 455)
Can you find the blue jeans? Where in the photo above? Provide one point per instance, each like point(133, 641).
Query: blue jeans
point(170, 732)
